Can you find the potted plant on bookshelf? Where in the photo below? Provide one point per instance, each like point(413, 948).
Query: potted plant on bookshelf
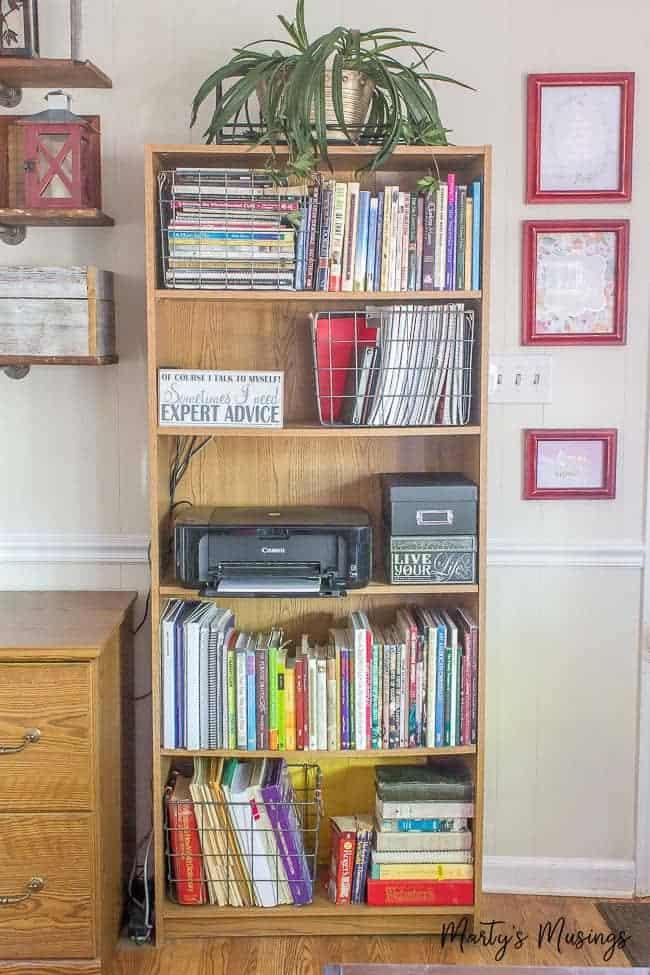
point(346, 85)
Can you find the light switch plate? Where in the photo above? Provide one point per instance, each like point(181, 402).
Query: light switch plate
point(521, 379)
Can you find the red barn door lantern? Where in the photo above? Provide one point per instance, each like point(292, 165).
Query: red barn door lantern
point(60, 158)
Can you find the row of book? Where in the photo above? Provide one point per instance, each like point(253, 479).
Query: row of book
point(352, 240)
point(228, 228)
point(419, 849)
point(236, 228)
point(235, 835)
point(401, 365)
point(409, 684)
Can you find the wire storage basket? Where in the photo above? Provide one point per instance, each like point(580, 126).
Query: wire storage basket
point(225, 229)
point(393, 366)
point(257, 846)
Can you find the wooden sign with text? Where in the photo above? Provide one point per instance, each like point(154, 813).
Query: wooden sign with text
point(220, 398)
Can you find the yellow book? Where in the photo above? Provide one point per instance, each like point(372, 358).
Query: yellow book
point(239, 890)
point(469, 239)
point(290, 703)
point(423, 871)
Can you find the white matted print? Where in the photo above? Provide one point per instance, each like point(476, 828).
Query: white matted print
point(580, 138)
point(576, 283)
point(563, 464)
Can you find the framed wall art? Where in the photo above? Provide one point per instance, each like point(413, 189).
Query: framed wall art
point(569, 464)
point(575, 282)
point(580, 132)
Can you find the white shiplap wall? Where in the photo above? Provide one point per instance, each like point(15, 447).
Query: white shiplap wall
point(565, 579)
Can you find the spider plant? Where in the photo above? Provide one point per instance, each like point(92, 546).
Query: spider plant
point(292, 86)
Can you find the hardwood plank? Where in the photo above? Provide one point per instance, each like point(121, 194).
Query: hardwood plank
point(58, 360)
point(52, 73)
point(308, 955)
point(71, 625)
point(170, 589)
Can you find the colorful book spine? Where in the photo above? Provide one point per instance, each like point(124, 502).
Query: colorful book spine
point(338, 236)
point(477, 220)
point(349, 248)
point(313, 233)
point(421, 825)
point(380, 243)
point(441, 660)
point(422, 871)
point(375, 711)
point(251, 724)
point(343, 845)
point(300, 702)
point(420, 893)
point(186, 860)
point(412, 242)
point(327, 209)
point(290, 705)
point(461, 239)
point(282, 724)
point(242, 702)
point(469, 232)
point(402, 279)
point(345, 700)
point(361, 246)
point(419, 241)
point(321, 697)
point(331, 701)
point(428, 242)
point(278, 797)
point(441, 237)
point(231, 665)
point(261, 699)
point(273, 697)
point(449, 670)
point(386, 238)
point(450, 251)
point(372, 245)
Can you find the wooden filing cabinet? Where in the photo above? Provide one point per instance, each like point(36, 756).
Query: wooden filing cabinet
point(63, 657)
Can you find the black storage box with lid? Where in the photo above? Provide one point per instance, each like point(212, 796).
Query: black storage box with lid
point(429, 504)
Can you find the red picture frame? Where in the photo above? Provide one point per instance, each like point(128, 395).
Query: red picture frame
point(532, 229)
point(535, 192)
point(537, 482)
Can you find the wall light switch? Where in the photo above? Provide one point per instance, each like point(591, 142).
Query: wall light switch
point(521, 379)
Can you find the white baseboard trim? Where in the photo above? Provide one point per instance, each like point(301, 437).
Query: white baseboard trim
point(569, 877)
point(51, 548)
point(46, 548)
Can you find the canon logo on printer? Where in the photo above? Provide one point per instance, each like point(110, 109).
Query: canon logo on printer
point(274, 551)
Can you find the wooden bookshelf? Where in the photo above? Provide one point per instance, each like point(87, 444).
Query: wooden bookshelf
point(303, 463)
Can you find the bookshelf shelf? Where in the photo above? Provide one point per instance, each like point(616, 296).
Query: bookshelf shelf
point(311, 430)
point(318, 756)
point(305, 463)
point(171, 591)
point(315, 297)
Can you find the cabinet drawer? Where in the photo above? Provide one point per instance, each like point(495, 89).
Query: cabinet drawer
point(55, 771)
point(56, 921)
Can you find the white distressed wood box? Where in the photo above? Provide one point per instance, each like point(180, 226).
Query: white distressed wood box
point(57, 314)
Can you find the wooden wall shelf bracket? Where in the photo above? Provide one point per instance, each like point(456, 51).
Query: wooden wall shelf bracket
point(12, 234)
point(10, 97)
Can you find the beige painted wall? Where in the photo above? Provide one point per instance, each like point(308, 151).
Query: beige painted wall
point(563, 641)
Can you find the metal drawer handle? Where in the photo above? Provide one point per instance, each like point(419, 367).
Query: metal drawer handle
point(433, 517)
point(35, 885)
point(31, 736)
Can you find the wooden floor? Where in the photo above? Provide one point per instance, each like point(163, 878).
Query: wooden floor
point(306, 956)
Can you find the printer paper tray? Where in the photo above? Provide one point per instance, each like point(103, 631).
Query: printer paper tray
point(270, 585)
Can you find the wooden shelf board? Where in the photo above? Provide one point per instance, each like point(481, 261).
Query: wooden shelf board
point(307, 756)
point(54, 217)
point(319, 917)
point(374, 589)
point(311, 430)
point(52, 73)
point(58, 360)
point(313, 297)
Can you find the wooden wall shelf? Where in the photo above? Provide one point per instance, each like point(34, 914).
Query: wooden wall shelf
point(319, 756)
point(58, 360)
point(51, 73)
point(55, 217)
point(304, 463)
